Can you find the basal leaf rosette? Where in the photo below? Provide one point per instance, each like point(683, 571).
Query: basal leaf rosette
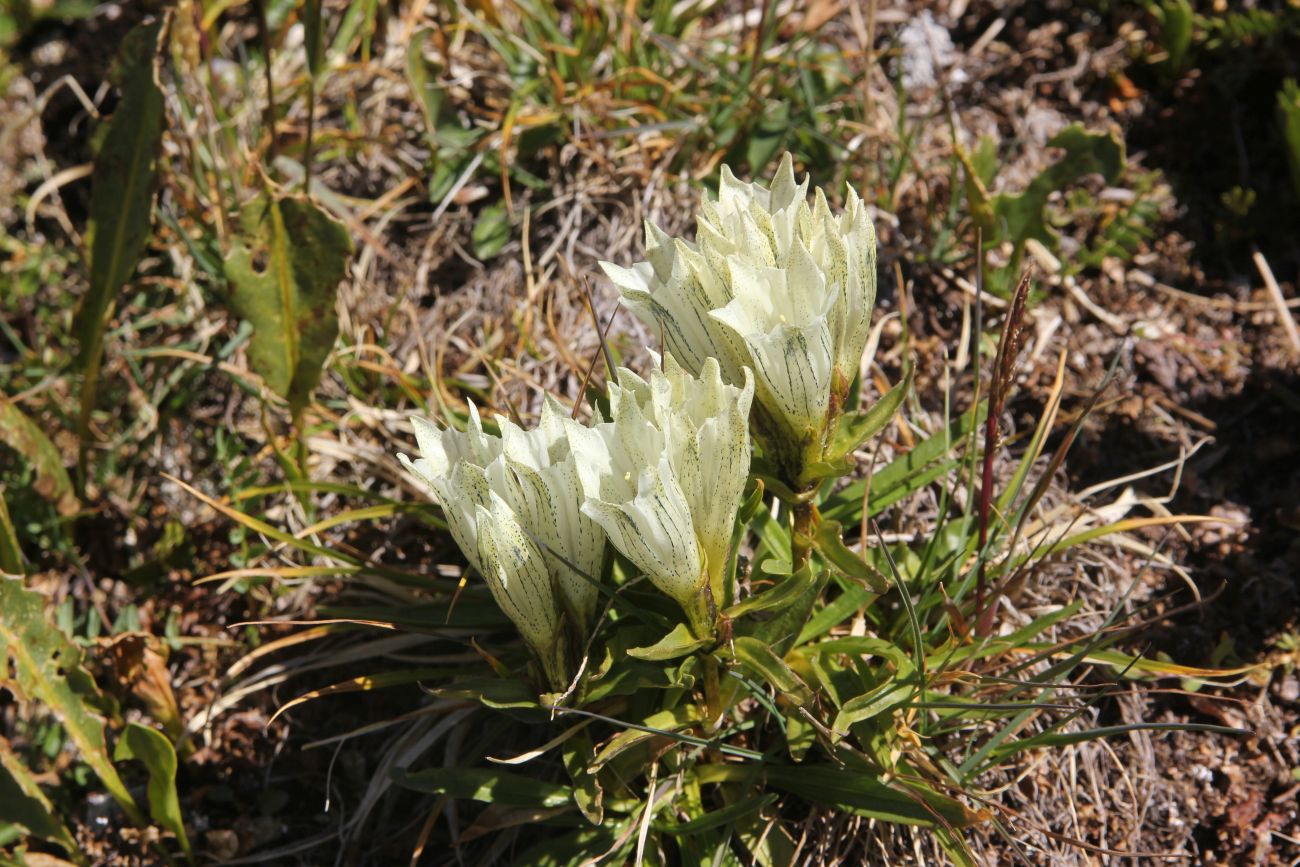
point(665, 475)
point(513, 504)
point(773, 284)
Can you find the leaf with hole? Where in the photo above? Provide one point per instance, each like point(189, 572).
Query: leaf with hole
point(284, 270)
point(41, 664)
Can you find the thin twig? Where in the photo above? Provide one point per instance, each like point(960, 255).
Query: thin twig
point(1275, 294)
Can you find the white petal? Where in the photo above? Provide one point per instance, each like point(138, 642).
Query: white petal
point(517, 575)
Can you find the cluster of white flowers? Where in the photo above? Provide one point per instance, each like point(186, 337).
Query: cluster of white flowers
point(773, 301)
point(664, 478)
point(773, 285)
point(513, 504)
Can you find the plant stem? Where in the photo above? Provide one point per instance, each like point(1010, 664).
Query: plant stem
point(803, 528)
point(713, 702)
point(264, 30)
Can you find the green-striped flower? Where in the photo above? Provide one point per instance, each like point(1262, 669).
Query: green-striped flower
point(513, 504)
point(664, 478)
point(773, 284)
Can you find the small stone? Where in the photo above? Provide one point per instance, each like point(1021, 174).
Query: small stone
point(1289, 689)
point(223, 845)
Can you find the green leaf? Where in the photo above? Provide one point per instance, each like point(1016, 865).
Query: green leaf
point(489, 785)
point(885, 697)
point(1176, 18)
point(852, 598)
point(863, 646)
point(491, 232)
point(661, 724)
point(760, 657)
point(767, 136)
point(830, 543)
point(153, 748)
point(284, 270)
point(313, 34)
point(725, 816)
point(42, 665)
point(24, 436)
point(779, 596)
point(679, 642)
point(587, 793)
point(855, 428)
point(23, 803)
point(856, 791)
point(575, 848)
point(905, 474)
point(121, 198)
point(985, 159)
point(781, 632)
point(1085, 153)
point(800, 735)
point(1059, 739)
point(493, 692)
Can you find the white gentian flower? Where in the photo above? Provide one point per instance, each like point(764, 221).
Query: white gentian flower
point(773, 284)
point(665, 477)
point(513, 504)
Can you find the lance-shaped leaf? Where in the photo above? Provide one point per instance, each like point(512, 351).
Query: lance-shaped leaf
point(152, 747)
point(126, 172)
point(23, 803)
point(41, 664)
point(488, 785)
point(121, 200)
point(284, 270)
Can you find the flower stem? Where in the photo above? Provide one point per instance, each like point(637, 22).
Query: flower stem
point(803, 529)
point(713, 701)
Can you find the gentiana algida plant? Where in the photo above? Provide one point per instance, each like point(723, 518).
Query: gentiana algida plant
point(687, 597)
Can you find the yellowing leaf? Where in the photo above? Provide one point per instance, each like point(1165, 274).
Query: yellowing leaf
point(41, 664)
point(23, 803)
point(284, 270)
point(24, 436)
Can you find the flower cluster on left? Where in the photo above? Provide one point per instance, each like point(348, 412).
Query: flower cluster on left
point(532, 510)
point(514, 506)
